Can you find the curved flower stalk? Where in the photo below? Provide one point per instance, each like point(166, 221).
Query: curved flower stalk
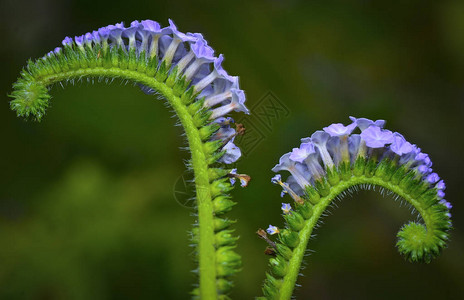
point(182, 69)
point(334, 162)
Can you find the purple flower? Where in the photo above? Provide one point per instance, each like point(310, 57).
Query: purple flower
point(293, 189)
point(364, 123)
point(193, 59)
point(276, 179)
point(130, 34)
point(232, 179)
point(67, 41)
point(422, 157)
point(296, 169)
point(441, 185)
point(399, 145)
point(286, 208)
point(376, 137)
point(232, 154)
point(104, 32)
point(88, 38)
point(286, 189)
point(79, 40)
point(116, 26)
point(201, 49)
point(446, 203)
point(440, 193)
point(272, 230)
point(424, 169)
point(319, 139)
point(237, 103)
point(433, 178)
point(337, 144)
point(224, 133)
point(354, 143)
point(300, 154)
point(151, 26)
point(181, 36)
point(306, 140)
point(338, 129)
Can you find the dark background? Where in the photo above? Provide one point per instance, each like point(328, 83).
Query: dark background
point(87, 205)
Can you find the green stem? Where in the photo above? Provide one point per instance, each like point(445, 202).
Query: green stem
point(294, 265)
point(206, 249)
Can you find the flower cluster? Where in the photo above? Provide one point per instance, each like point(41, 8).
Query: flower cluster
point(189, 56)
point(335, 161)
point(331, 151)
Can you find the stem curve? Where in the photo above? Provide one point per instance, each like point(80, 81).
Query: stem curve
point(415, 241)
point(289, 281)
point(199, 163)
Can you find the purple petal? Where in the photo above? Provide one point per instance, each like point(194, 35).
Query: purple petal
point(423, 157)
point(433, 178)
point(376, 137)
point(286, 208)
point(104, 32)
point(67, 41)
point(320, 138)
point(339, 129)
point(424, 169)
point(276, 179)
point(238, 98)
point(364, 123)
point(300, 154)
point(201, 49)
point(441, 185)
point(180, 35)
point(446, 203)
point(151, 26)
point(399, 145)
point(272, 230)
point(232, 154)
point(79, 40)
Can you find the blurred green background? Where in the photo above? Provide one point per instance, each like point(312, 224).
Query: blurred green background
point(87, 206)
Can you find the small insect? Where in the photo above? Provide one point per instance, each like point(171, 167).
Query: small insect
point(98, 54)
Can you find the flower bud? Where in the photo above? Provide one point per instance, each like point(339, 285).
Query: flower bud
point(222, 204)
point(305, 209)
point(313, 194)
point(332, 176)
point(345, 170)
point(224, 286)
point(295, 221)
point(399, 174)
point(323, 187)
point(221, 186)
point(211, 147)
point(207, 131)
point(225, 238)
point(359, 165)
point(289, 238)
point(284, 251)
point(220, 224)
point(215, 173)
point(279, 266)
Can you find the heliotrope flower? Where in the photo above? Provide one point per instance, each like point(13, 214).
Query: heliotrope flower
point(286, 208)
point(325, 150)
point(244, 179)
point(190, 56)
point(272, 230)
